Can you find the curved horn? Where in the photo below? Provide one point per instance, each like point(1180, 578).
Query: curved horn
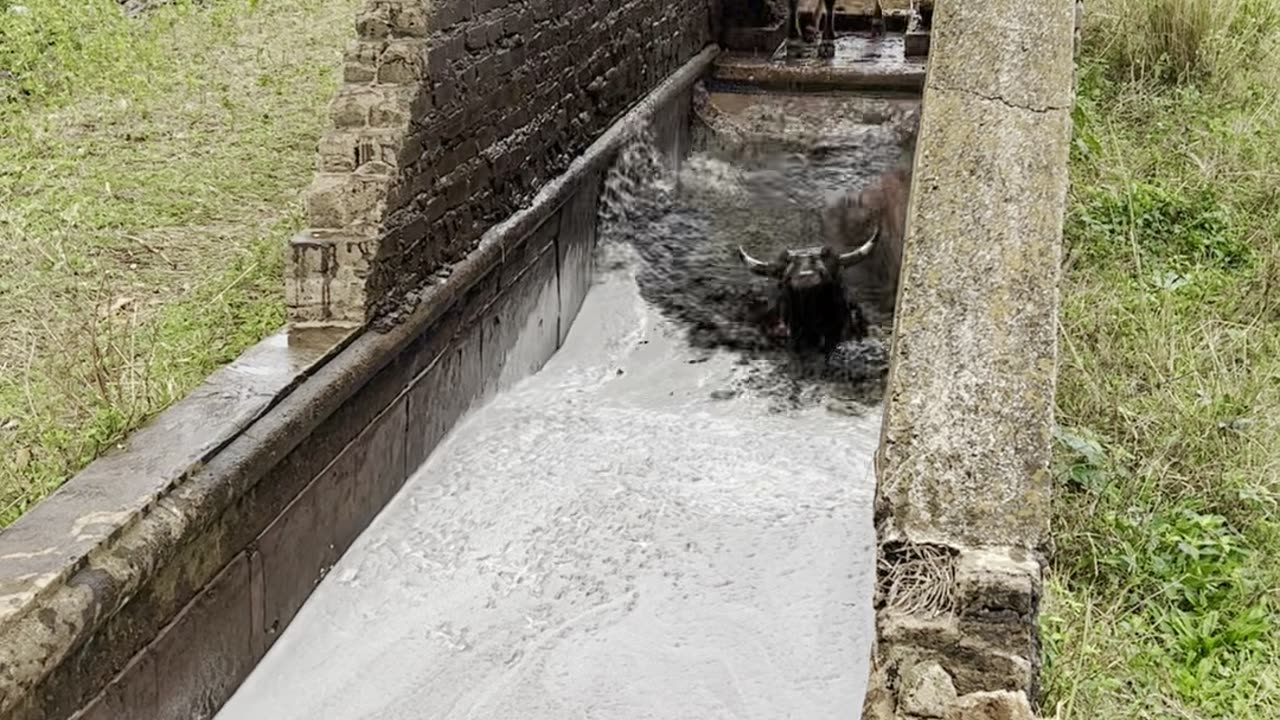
point(857, 255)
point(756, 266)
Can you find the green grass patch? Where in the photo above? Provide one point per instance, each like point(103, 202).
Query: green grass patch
point(1163, 597)
point(149, 178)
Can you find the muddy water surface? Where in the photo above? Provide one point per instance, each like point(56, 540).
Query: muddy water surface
point(643, 529)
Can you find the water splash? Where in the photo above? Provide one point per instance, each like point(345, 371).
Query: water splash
point(685, 226)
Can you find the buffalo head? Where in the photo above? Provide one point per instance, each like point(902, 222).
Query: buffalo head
point(809, 295)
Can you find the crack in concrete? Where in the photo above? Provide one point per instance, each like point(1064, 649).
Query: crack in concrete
point(997, 98)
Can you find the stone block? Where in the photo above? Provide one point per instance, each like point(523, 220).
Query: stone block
point(325, 279)
point(476, 38)
point(979, 287)
point(444, 14)
point(391, 110)
point(441, 52)
point(1027, 72)
point(360, 61)
point(408, 18)
point(403, 62)
point(350, 107)
point(313, 301)
point(926, 690)
point(336, 152)
point(374, 20)
point(346, 151)
point(1001, 705)
point(977, 666)
point(997, 586)
point(350, 201)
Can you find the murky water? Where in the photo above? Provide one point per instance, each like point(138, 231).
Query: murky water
point(640, 530)
point(762, 168)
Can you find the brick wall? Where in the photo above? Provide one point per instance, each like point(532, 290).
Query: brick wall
point(452, 114)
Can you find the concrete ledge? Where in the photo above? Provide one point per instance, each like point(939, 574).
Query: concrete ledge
point(759, 70)
point(962, 507)
point(150, 584)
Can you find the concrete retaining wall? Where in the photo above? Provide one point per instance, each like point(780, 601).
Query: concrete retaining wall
point(151, 583)
point(962, 507)
point(452, 114)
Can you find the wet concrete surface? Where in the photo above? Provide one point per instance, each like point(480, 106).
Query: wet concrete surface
point(860, 60)
point(672, 519)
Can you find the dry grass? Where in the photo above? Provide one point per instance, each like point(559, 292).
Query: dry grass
point(149, 177)
point(1164, 586)
point(1183, 40)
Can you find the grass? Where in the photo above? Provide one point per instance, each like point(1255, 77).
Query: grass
point(150, 174)
point(1163, 591)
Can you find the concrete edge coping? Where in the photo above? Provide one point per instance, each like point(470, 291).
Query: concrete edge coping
point(963, 485)
point(153, 459)
point(743, 69)
point(759, 69)
point(154, 527)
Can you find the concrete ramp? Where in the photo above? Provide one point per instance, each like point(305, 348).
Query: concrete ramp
point(665, 520)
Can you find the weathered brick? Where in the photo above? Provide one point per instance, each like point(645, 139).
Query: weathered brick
point(350, 108)
point(447, 13)
point(391, 108)
point(409, 19)
point(374, 21)
point(336, 152)
point(494, 31)
point(402, 62)
point(360, 60)
point(345, 200)
point(444, 92)
point(477, 37)
point(487, 99)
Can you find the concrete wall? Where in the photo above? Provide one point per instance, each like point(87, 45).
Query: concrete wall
point(150, 584)
point(451, 115)
point(962, 507)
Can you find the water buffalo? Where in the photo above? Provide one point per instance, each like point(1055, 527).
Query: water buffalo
point(810, 303)
point(805, 16)
point(873, 220)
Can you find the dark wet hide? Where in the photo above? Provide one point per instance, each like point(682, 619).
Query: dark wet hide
point(686, 229)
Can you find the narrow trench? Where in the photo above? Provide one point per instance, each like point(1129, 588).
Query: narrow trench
point(672, 518)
